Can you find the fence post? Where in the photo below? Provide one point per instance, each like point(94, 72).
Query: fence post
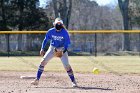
point(8, 45)
point(95, 49)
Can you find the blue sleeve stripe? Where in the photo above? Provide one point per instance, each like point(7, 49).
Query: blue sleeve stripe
point(44, 43)
point(47, 37)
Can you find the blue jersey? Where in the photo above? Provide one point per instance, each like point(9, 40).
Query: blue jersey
point(57, 39)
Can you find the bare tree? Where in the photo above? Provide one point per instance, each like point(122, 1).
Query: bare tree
point(124, 11)
point(62, 8)
point(134, 13)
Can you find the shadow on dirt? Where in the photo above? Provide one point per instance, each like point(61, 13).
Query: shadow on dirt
point(90, 88)
point(79, 87)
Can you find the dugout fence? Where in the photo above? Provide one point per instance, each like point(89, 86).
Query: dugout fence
point(99, 42)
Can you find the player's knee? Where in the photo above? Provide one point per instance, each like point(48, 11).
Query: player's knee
point(43, 63)
point(41, 68)
point(68, 68)
point(70, 72)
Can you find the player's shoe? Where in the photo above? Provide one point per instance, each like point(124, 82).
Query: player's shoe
point(74, 84)
point(35, 82)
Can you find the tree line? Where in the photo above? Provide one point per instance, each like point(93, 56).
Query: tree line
point(77, 15)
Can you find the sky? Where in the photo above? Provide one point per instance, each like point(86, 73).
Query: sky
point(42, 2)
point(100, 2)
point(106, 2)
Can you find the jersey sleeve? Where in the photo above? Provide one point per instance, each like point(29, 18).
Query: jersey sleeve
point(67, 41)
point(47, 37)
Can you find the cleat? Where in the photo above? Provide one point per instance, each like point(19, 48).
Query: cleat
point(74, 84)
point(35, 82)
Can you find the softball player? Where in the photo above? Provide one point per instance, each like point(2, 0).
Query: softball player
point(59, 42)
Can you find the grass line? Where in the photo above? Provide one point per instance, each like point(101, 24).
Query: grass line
point(107, 64)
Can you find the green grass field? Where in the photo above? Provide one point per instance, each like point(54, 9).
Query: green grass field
point(82, 64)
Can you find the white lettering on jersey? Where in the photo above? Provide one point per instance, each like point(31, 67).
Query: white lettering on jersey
point(59, 38)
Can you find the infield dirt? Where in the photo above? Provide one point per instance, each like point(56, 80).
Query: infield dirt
point(59, 82)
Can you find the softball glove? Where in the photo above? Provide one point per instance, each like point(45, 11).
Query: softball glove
point(58, 53)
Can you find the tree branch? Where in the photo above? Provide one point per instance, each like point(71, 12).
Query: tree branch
point(69, 12)
point(120, 2)
point(55, 8)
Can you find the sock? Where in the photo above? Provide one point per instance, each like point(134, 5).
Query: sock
point(71, 75)
point(40, 71)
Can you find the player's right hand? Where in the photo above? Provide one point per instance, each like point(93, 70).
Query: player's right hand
point(42, 52)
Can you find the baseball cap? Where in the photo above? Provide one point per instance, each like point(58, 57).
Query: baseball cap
point(58, 20)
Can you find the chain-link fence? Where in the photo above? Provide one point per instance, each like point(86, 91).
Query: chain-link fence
point(81, 44)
